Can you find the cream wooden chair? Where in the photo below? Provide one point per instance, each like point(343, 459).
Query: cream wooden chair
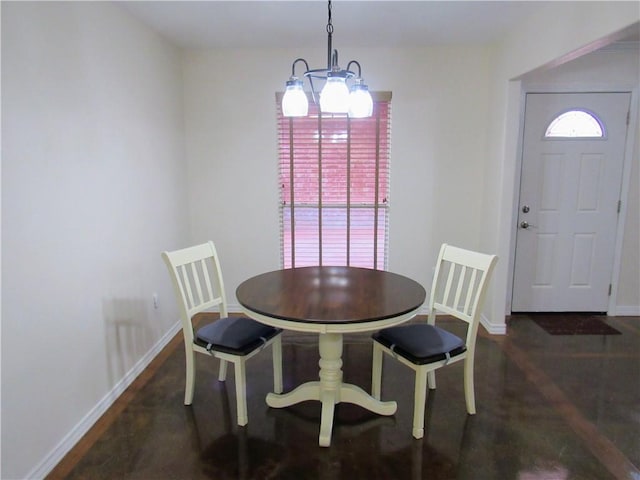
point(459, 286)
point(197, 280)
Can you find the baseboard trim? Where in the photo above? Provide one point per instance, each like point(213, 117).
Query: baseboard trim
point(70, 439)
point(492, 328)
point(627, 311)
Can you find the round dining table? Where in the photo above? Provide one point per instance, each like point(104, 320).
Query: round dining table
point(330, 301)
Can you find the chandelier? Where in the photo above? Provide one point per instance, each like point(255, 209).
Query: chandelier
point(336, 96)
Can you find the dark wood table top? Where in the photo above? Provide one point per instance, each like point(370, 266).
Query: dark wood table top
point(331, 295)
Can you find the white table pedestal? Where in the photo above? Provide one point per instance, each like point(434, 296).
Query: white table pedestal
point(330, 390)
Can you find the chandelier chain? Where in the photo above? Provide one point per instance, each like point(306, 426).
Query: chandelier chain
point(329, 24)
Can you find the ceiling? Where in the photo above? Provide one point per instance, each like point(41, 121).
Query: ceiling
point(237, 24)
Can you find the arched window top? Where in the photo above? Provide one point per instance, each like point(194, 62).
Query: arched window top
point(575, 124)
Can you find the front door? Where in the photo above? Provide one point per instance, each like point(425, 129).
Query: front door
point(572, 162)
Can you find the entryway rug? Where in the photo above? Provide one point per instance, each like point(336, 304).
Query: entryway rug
point(574, 325)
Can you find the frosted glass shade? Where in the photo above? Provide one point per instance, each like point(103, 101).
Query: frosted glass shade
point(334, 97)
point(294, 100)
point(360, 102)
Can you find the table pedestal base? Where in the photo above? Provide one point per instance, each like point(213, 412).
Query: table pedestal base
point(330, 390)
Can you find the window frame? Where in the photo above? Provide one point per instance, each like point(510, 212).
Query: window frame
point(559, 117)
point(379, 205)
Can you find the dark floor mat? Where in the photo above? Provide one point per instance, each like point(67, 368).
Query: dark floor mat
point(579, 325)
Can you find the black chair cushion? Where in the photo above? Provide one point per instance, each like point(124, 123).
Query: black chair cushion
point(235, 335)
point(421, 343)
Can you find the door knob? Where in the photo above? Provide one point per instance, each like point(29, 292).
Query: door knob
point(524, 224)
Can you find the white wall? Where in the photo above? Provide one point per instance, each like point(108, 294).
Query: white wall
point(95, 184)
point(438, 140)
point(559, 31)
point(93, 188)
point(609, 69)
point(455, 125)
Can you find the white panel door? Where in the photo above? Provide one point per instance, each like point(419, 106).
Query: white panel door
point(568, 211)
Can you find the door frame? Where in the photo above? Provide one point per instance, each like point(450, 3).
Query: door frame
point(624, 188)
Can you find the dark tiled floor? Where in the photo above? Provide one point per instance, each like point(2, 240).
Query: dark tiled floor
point(549, 407)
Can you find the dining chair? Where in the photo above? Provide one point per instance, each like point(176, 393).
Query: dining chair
point(197, 280)
point(458, 289)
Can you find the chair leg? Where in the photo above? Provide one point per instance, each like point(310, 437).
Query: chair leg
point(469, 392)
point(190, 375)
point(419, 402)
point(241, 392)
point(277, 364)
point(376, 371)
point(431, 380)
point(222, 372)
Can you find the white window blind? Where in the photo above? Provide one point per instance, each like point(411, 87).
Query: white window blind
point(334, 187)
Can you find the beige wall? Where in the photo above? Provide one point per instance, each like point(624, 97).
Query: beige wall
point(610, 69)
point(453, 158)
point(96, 182)
point(93, 188)
point(559, 31)
point(438, 141)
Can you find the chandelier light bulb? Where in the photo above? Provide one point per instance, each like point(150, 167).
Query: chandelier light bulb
point(334, 97)
point(294, 100)
point(360, 101)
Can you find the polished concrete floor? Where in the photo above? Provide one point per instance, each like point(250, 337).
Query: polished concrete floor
point(549, 407)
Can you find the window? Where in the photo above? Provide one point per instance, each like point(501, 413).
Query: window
point(334, 187)
point(575, 124)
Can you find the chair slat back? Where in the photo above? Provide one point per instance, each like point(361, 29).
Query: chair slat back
point(460, 283)
point(197, 281)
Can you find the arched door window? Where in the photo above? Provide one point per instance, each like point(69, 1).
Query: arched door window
point(575, 124)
